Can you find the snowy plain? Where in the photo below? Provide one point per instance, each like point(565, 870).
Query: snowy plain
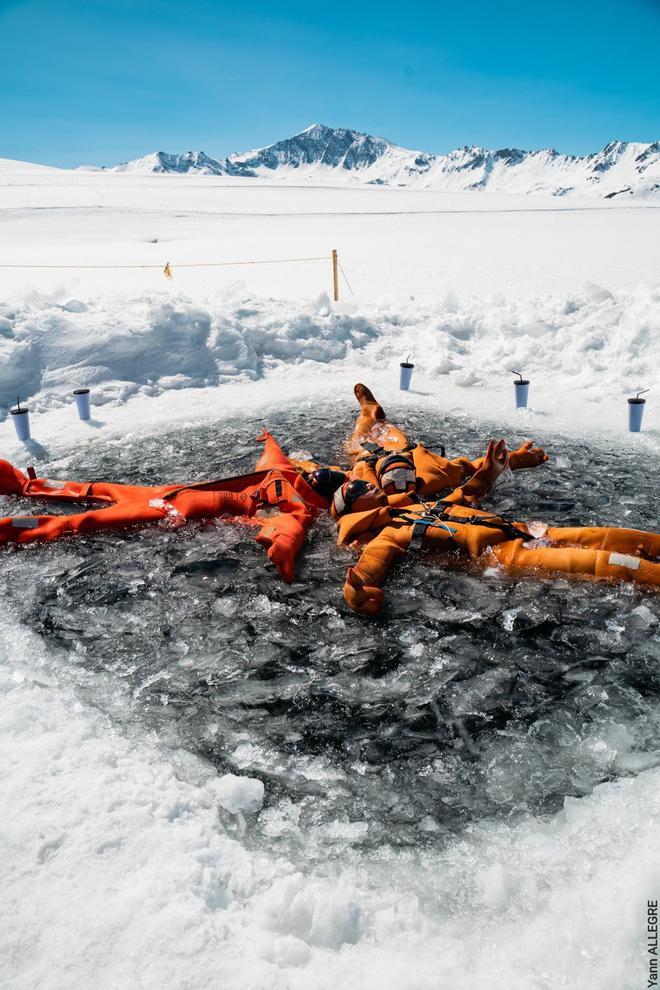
point(117, 870)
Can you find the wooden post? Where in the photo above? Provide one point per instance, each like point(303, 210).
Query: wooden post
point(335, 276)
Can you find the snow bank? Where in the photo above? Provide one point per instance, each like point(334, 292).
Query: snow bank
point(122, 346)
point(590, 341)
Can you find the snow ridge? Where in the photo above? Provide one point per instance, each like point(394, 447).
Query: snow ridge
point(122, 346)
point(325, 154)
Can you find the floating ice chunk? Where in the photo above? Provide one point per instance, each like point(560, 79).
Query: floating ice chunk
point(352, 832)
point(495, 571)
point(429, 824)
point(642, 617)
point(240, 794)
point(537, 529)
point(505, 478)
point(508, 618)
point(171, 515)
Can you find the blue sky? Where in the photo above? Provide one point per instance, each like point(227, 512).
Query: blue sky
point(103, 81)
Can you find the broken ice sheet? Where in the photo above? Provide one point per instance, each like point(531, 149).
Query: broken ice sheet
point(510, 685)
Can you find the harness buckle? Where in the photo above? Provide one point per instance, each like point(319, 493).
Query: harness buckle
point(418, 531)
point(420, 527)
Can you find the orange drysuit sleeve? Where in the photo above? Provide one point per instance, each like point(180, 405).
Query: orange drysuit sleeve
point(283, 536)
point(482, 481)
point(283, 533)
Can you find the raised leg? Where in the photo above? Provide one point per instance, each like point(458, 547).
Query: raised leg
point(372, 426)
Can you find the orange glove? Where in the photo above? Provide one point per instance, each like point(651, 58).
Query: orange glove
point(493, 463)
point(362, 598)
point(527, 456)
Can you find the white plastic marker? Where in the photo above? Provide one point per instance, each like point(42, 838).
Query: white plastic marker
point(405, 375)
point(522, 391)
point(21, 421)
point(636, 412)
point(81, 396)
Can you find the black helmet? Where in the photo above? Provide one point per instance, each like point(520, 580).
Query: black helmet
point(348, 497)
point(325, 481)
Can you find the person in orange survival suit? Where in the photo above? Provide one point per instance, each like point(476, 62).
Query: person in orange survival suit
point(388, 526)
point(381, 454)
point(275, 499)
point(377, 448)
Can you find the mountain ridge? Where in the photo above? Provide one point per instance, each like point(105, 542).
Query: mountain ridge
point(325, 154)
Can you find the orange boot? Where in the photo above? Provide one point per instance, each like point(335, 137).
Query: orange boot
point(371, 426)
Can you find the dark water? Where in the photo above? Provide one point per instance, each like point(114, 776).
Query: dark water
point(474, 696)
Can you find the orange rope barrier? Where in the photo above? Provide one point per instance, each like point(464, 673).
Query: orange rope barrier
point(173, 265)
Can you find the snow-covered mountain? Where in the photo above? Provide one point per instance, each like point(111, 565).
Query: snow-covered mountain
point(330, 155)
point(192, 161)
point(318, 145)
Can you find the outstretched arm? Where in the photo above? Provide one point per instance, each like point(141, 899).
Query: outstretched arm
point(526, 456)
point(482, 481)
point(14, 482)
point(283, 536)
point(44, 529)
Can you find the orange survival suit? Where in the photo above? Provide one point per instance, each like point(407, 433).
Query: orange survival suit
point(396, 502)
point(275, 499)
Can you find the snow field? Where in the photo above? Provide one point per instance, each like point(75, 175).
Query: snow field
point(392, 243)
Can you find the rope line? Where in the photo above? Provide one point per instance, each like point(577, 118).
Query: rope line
point(345, 279)
point(182, 264)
